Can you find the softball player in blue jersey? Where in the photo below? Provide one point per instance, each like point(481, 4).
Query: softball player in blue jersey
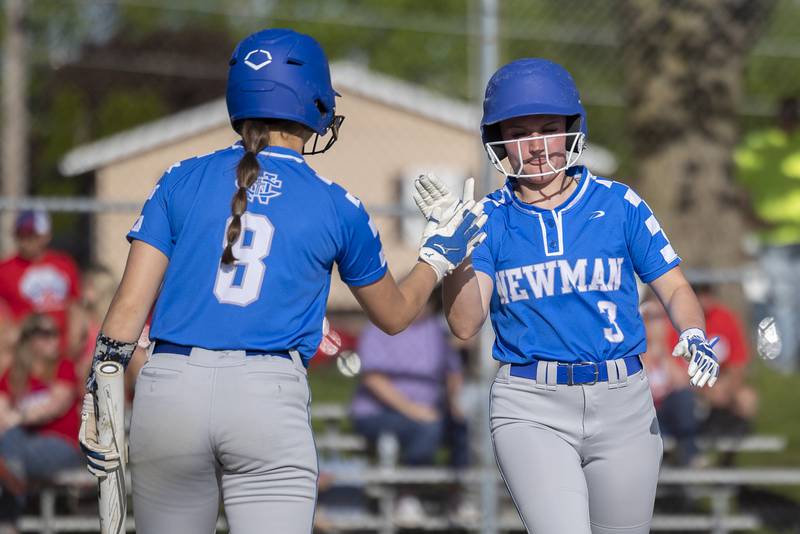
point(221, 406)
point(572, 419)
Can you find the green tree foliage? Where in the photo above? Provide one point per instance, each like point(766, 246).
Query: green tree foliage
point(176, 52)
point(768, 166)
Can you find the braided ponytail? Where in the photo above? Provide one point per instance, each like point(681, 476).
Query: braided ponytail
point(255, 137)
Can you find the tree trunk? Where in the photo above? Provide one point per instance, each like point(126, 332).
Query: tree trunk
point(15, 116)
point(684, 74)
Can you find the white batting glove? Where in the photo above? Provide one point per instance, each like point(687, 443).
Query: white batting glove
point(447, 242)
point(430, 193)
point(694, 348)
point(100, 459)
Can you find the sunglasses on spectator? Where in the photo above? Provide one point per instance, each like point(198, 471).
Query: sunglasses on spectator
point(46, 332)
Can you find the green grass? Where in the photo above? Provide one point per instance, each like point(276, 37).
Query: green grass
point(778, 414)
point(329, 385)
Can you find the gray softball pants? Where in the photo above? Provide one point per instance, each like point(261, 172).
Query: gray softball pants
point(221, 422)
point(578, 459)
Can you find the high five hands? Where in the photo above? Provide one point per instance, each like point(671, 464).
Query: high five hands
point(454, 224)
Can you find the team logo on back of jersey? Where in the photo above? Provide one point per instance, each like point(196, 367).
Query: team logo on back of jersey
point(266, 187)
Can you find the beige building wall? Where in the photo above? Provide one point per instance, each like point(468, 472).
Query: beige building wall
point(379, 145)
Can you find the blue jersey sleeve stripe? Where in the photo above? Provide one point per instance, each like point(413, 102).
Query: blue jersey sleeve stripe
point(150, 240)
point(652, 275)
point(483, 267)
point(368, 279)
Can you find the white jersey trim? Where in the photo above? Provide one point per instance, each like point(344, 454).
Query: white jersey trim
point(583, 186)
point(281, 156)
point(632, 197)
point(652, 225)
point(559, 231)
point(267, 152)
point(328, 182)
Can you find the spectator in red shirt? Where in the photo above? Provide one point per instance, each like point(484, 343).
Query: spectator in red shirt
point(38, 279)
point(39, 412)
point(733, 402)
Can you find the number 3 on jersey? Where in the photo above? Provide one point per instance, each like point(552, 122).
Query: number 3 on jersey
point(609, 309)
point(240, 283)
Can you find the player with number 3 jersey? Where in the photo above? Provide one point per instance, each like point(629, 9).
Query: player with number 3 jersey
point(239, 245)
point(572, 418)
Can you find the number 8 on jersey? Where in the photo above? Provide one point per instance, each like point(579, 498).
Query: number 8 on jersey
point(240, 283)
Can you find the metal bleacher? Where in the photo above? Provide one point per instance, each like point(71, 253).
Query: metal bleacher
point(719, 484)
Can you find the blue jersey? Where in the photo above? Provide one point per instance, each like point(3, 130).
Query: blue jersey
point(564, 284)
point(273, 298)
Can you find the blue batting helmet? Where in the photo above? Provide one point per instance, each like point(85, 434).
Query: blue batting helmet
point(530, 86)
point(281, 74)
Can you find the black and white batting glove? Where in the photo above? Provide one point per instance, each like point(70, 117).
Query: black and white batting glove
point(109, 349)
point(100, 460)
point(449, 241)
point(430, 193)
point(703, 364)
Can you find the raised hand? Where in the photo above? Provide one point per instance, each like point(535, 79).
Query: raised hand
point(430, 193)
point(448, 240)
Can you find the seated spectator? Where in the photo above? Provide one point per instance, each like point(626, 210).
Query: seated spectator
point(38, 279)
point(669, 383)
point(39, 413)
point(733, 403)
point(98, 287)
point(410, 385)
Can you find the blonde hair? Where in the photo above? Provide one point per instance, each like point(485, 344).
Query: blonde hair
point(23, 358)
point(105, 285)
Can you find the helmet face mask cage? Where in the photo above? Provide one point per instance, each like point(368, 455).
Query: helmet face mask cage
point(574, 150)
point(336, 123)
point(530, 87)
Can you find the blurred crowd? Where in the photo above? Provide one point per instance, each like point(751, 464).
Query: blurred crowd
point(50, 314)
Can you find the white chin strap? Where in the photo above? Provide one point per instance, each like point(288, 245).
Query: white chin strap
point(574, 152)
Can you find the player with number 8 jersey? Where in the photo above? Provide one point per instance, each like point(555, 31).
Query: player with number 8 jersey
point(238, 248)
point(283, 257)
